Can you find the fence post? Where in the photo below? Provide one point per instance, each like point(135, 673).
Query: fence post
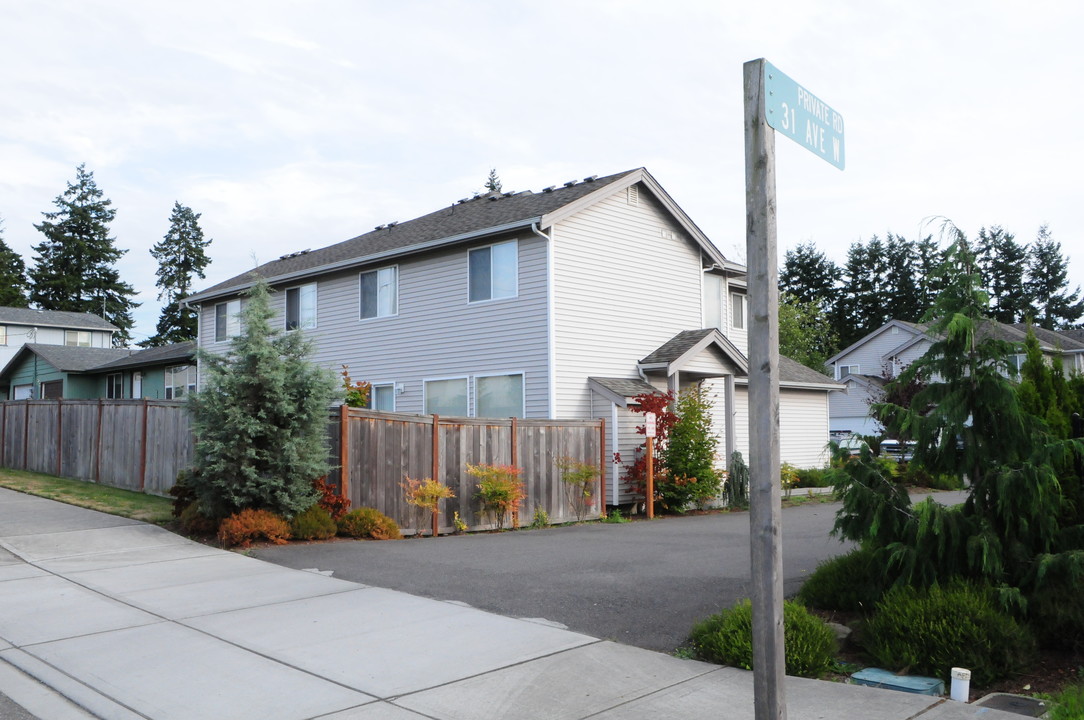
point(26, 435)
point(344, 451)
point(3, 431)
point(143, 451)
point(602, 467)
point(436, 471)
point(59, 433)
point(98, 446)
point(515, 463)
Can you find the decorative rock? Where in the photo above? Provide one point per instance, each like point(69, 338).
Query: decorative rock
point(842, 631)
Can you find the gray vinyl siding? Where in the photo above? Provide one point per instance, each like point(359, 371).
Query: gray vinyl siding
point(627, 279)
point(436, 334)
point(870, 356)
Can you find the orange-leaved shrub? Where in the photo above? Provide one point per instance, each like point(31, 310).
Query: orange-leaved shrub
point(243, 527)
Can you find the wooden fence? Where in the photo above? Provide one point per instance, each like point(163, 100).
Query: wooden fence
point(132, 444)
point(143, 444)
point(378, 449)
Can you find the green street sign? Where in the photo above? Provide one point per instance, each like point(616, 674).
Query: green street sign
point(803, 117)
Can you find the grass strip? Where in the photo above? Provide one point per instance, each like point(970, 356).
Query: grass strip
point(125, 503)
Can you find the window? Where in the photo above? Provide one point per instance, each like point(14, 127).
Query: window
point(446, 397)
point(494, 271)
point(137, 384)
point(714, 294)
point(845, 370)
point(1016, 363)
point(301, 307)
point(77, 338)
point(22, 392)
point(499, 396)
point(227, 320)
point(737, 311)
point(3, 334)
point(180, 381)
point(380, 293)
point(383, 397)
point(52, 390)
point(114, 386)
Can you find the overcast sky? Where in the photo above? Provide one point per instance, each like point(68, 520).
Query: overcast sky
point(294, 125)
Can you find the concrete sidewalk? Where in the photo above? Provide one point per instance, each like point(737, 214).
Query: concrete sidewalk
point(111, 618)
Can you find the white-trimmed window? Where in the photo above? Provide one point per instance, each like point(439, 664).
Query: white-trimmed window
point(380, 293)
point(3, 334)
point(843, 371)
point(227, 320)
point(494, 271)
point(446, 397)
point(737, 311)
point(77, 338)
point(499, 396)
point(52, 390)
point(301, 307)
point(22, 392)
point(114, 386)
point(180, 381)
point(383, 398)
point(137, 384)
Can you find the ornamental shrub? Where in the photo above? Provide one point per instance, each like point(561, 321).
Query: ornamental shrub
point(425, 496)
point(579, 481)
point(689, 454)
point(499, 490)
point(727, 638)
point(931, 630)
point(737, 482)
point(260, 419)
point(243, 527)
point(330, 499)
point(313, 524)
point(194, 522)
point(846, 582)
point(368, 522)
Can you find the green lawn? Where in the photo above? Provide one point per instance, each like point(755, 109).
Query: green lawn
point(135, 505)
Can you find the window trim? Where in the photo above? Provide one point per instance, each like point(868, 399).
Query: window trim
point(226, 337)
point(744, 301)
point(114, 386)
point(3, 335)
point(136, 375)
point(522, 387)
point(77, 334)
point(372, 396)
point(43, 383)
point(852, 369)
point(515, 290)
point(315, 306)
point(376, 303)
point(425, 392)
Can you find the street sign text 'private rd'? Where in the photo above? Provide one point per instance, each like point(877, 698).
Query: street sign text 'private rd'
point(803, 117)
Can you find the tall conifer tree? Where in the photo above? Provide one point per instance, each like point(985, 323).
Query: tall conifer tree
point(75, 265)
point(14, 287)
point(181, 256)
point(1002, 262)
point(1048, 284)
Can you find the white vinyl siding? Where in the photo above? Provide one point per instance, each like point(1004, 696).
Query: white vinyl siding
point(301, 307)
point(803, 427)
point(604, 321)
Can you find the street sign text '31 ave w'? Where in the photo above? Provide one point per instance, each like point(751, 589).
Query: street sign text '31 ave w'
point(803, 117)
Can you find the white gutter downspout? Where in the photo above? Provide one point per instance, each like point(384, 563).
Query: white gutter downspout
point(199, 340)
point(551, 350)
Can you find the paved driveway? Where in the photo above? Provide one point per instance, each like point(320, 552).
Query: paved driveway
point(640, 583)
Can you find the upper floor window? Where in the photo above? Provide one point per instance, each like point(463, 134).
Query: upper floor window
point(737, 311)
point(301, 307)
point(227, 320)
point(180, 381)
point(845, 370)
point(114, 386)
point(714, 295)
point(494, 271)
point(380, 293)
point(77, 338)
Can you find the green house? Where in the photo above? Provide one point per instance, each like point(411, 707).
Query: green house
point(58, 371)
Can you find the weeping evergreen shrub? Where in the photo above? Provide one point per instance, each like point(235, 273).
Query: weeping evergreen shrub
point(260, 419)
point(928, 631)
point(727, 638)
point(850, 582)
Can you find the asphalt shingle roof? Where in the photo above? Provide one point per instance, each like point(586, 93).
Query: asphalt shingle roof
point(76, 359)
point(54, 318)
point(625, 387)
point(494, 210)
point(152, 356)
point(677, 346)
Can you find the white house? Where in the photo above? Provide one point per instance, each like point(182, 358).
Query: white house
point(563, 303)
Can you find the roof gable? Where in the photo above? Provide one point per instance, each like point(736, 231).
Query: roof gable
point(680, 349)
point(66, 358)
point(913, 329)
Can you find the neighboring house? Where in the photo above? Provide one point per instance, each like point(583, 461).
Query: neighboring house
point(51, 327)
point(868, 364)
point(564, 303)
point(58, 371)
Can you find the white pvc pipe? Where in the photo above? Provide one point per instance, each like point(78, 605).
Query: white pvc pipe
point(961, 684)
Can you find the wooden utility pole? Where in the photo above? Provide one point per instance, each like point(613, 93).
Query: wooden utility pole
point(764, 491)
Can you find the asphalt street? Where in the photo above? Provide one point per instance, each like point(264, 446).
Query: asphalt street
point(642, 583)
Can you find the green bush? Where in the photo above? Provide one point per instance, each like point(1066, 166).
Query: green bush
point(726, 638)
point(915, 475)
point(814, 478)
point(688, 459)
point(368, 522)
point(194, 522)
point(313, 524)
point(931, 630)
point(1056, 611)
point(847, 582)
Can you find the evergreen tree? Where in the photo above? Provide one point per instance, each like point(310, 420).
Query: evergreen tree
point(1047, 284)
point(14, 287)
point(930, 259)
point(260, 419)
point(902, 295)
point(493, 183)
point(805, 335)
point(809, 276)
point(860, 307)
point(180, 255)
point(1002, 263)
point(74, 268)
